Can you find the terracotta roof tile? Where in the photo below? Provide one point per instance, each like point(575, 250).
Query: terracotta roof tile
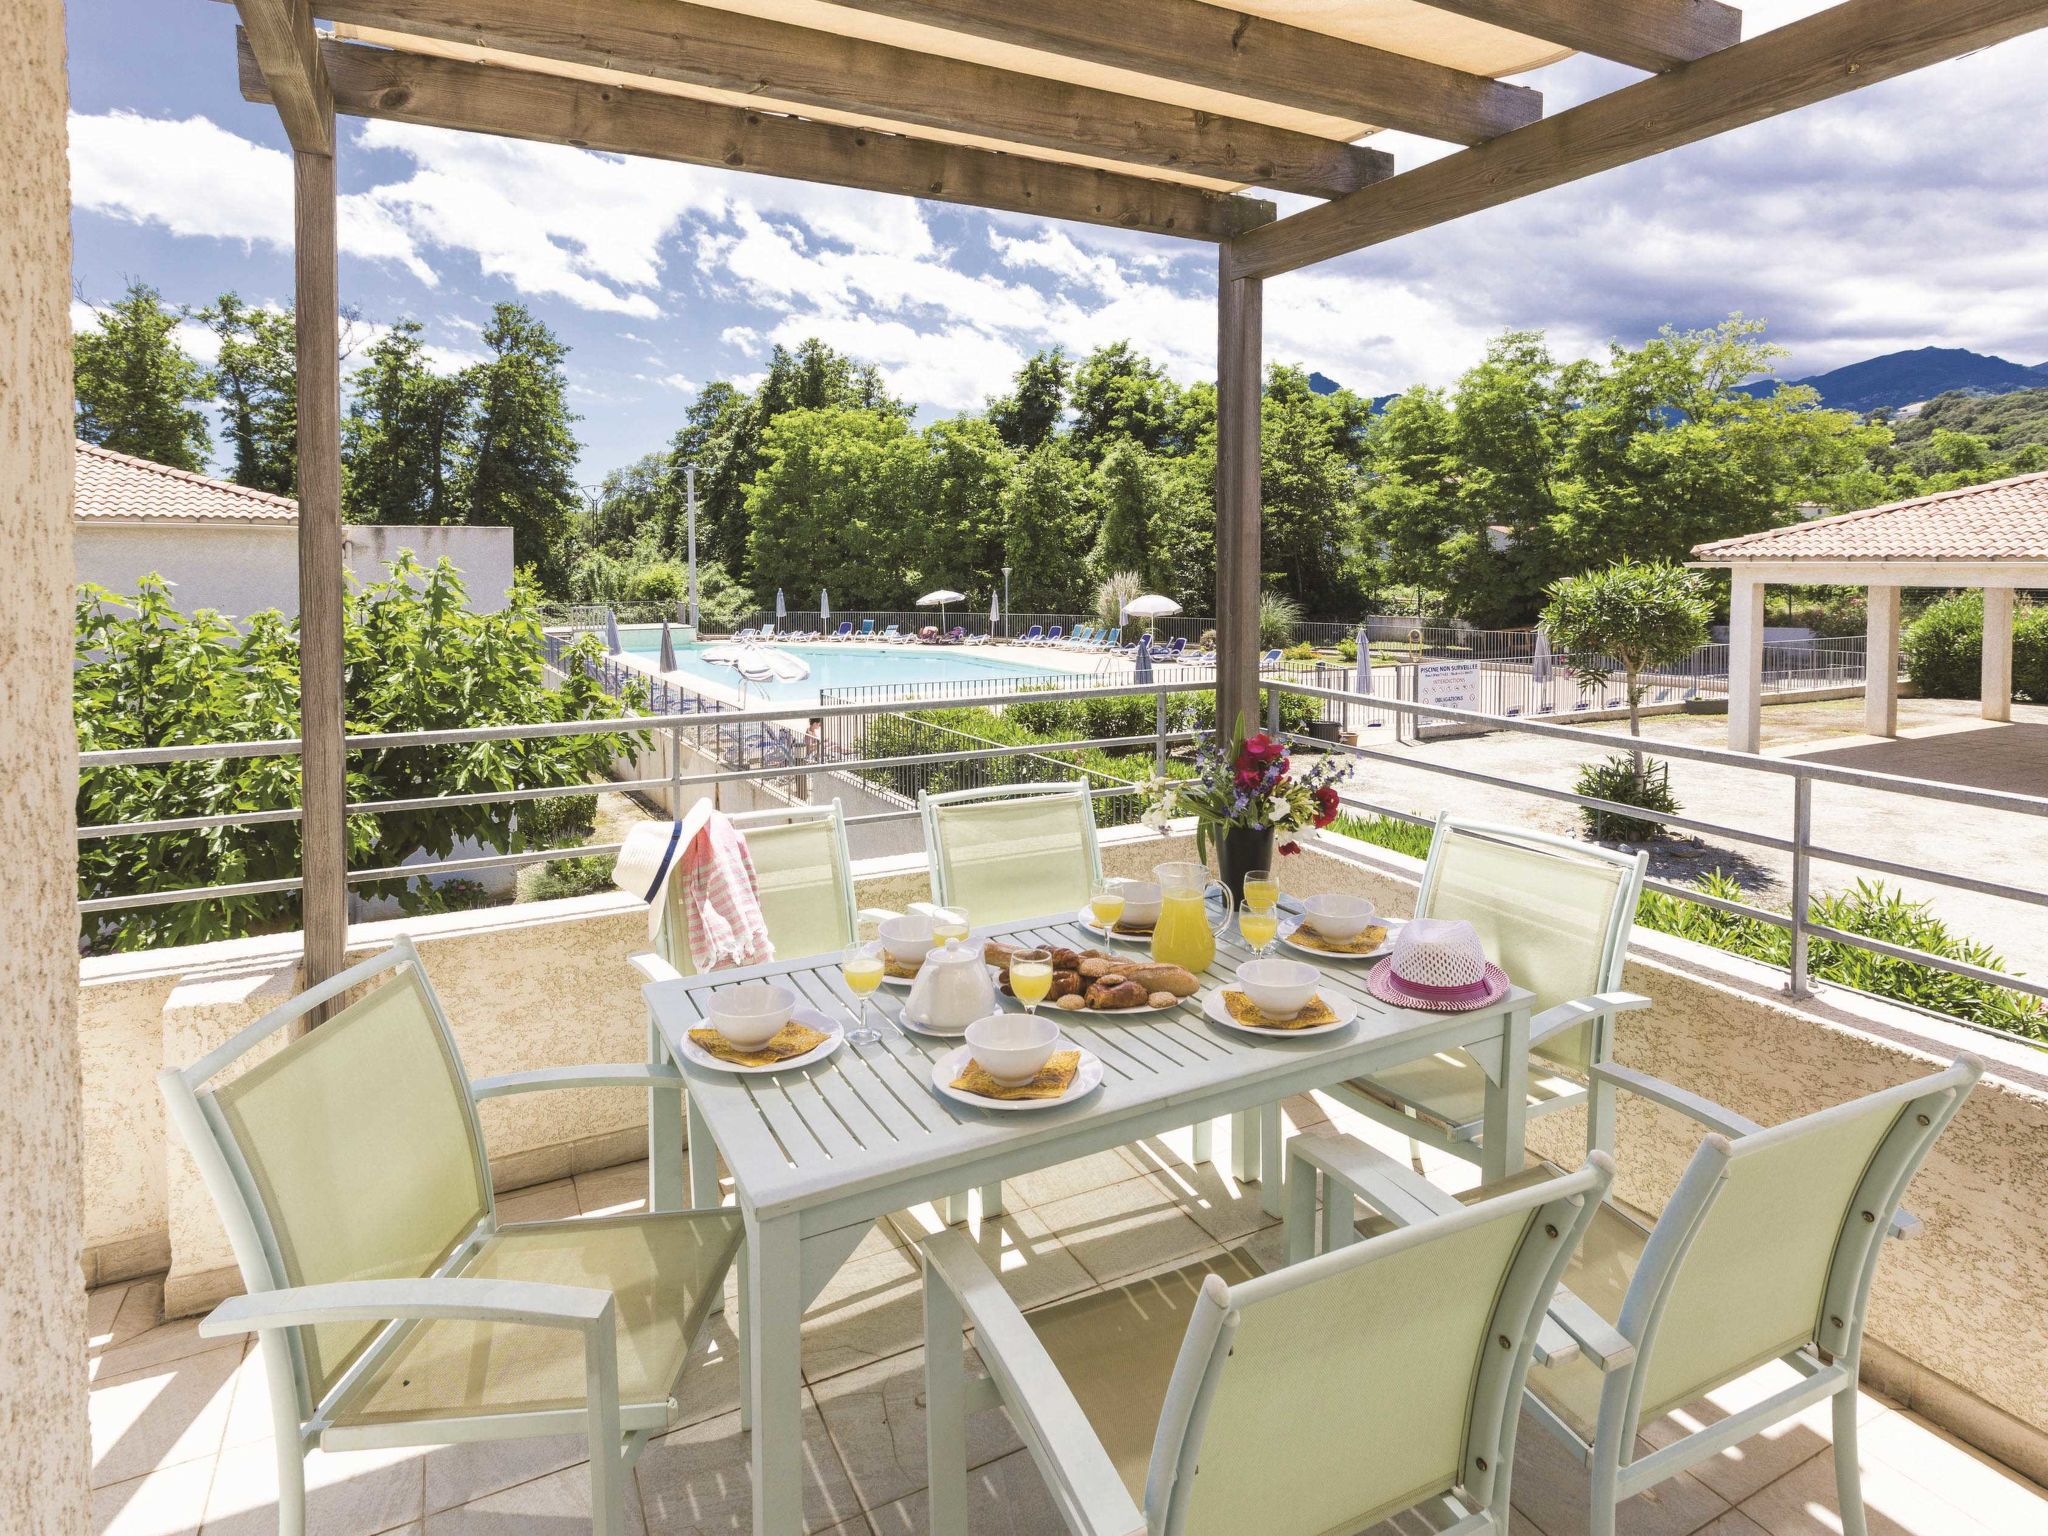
point(2005, 520)
point(114, 486)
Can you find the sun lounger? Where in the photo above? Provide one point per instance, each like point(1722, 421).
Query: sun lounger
point(867, 629)
point(1052, 636)
point(889, 634)
point(1032, 636)
point(843, 631)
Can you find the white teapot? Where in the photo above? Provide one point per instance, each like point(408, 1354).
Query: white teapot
point(953, 989)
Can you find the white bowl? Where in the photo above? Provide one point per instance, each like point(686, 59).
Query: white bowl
point(752, 1013)
point(1280, 988)
point(1338, 917)
point(1141, 902)
point(908, 938)
point(1012, 1047)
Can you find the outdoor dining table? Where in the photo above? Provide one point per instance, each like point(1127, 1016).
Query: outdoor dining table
point(819, 1153)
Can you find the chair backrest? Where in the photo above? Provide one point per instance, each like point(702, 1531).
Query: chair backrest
point(1342, 1390)
point(1012, 850)
point(1034, 632)
point(1553, 913)
point(867, 626)
point(1055, 632)
point(1770, 1241)
point(804, 878)
point(351, 1153)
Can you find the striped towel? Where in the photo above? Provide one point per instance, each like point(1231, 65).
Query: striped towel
point(721, 899)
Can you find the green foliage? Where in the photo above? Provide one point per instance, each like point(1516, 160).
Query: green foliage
point(557, 821)
point(1827, 611)
point(1130, 497)
point(828, 508)
point(1347, 648)
point(1113, 592)
point(138, 392)
point(558, 879)
point(1087, 719)
point(1046, 532)
point(1309, 483)
point(520, 472)
point(1631, 618)
point(1944, 649)
point(256, 382)
point(416, 658)
point(1627, 780)
point(1871, 910)
point(1028, 418)
point(406, 437)
point(1301, 651)
point(1278, 616)
point(1122, 397)
point(1386, 832)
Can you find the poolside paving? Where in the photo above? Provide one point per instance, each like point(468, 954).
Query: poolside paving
point(181, 1425)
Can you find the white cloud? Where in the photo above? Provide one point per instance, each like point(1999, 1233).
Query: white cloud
point(675, 381)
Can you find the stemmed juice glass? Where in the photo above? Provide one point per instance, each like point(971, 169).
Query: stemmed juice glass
point(862, 968)
point(1258, 920)
point(1261, 888)
point(948, 924)
point(1106, 906)
point(1031, 977)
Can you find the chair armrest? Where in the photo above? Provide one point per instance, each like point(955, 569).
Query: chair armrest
point(619, 1075)
point(1031, 1387)
point(1671, 1096)
point(875, 915)
point(381, 1301)
point(1397, 1192)
point(653, 967)
point(1597, 1339)
point(1906, 1227)
point(1579, 1009)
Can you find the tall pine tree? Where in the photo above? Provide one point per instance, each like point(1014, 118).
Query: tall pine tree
point(520, 472)
point(256, 382)
point(405, 438)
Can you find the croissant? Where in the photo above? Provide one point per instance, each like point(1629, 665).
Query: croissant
point(1115, 992)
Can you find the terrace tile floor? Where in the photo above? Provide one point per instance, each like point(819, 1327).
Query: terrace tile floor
point(181, 1426)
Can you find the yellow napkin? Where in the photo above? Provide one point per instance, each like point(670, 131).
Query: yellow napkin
point(1054, 1079)
point(902, 970)
point(1364, 944)
point(1245, 1011)
point(792, 1040)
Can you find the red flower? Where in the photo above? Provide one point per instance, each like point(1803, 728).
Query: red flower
point(1326, 806)
point(1248, 779)
point(1260, 750)
point(1290, 847)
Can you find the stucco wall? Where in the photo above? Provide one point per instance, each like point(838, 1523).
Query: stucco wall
point(43, 1473)
point(244, 568)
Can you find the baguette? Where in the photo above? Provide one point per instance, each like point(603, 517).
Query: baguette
point(1164, 978)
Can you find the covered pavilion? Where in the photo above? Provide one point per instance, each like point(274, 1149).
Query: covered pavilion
point(1993, 537)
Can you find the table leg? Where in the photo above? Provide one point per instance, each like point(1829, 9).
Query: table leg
point(1204, 1139)
point(1507, 1104)
point(992, 1200)
point(703, 1170)
point(773, 1317)
point(1272, 1165)
point(1244, 1146)
point(664, 1134)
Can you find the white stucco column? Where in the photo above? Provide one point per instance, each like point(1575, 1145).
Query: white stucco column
point(1997, 653)
point(1745, 661)
point(1881, 659)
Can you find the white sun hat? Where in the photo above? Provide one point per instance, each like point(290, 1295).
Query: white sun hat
point(1438, 963)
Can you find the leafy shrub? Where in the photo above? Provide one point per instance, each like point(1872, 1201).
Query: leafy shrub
point(1386, 832)
point(559, 878)
point(1871, 910)
point(1830, 612)
point(1208, 640)
point(1626, 780)
point(448, 896)
point(1278, 614)
point(1347, 648)
point(1944, 649)
point(558, 821)
point(1115, 591)
point(1303, 651)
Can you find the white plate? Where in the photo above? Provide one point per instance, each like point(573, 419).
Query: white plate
point(949, 1066)
point(1087, 920)
point(897, 981)
point(1105, 1013)
point(1214, 1009)
point(1386, 944)
point(696, 1055)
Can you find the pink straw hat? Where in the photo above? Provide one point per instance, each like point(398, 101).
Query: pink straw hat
point(1438, 963)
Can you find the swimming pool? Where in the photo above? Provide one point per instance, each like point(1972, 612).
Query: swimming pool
point(837, 665)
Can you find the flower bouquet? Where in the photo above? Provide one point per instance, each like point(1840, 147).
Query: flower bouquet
point(1246, 796)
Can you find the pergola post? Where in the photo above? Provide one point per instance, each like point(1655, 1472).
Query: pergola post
point(1881, 662)
point(1745, 662)
point(322, 778)
point(1239, 322)
point(1997, 692)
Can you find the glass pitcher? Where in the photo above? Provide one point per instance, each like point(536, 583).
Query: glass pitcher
point(1183, 935)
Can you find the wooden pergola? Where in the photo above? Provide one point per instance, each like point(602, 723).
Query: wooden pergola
point(1150, 115)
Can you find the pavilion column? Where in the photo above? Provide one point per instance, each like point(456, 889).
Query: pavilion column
point(1997, 700)
point(1745, 661)
point(1881, 662)
point(323, 786)
point(1240, 317)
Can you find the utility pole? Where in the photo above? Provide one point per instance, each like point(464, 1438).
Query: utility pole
point(690, 495)
point(1006, 602)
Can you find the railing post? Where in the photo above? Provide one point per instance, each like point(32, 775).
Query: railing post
point(675, 773)
point(1273, 711)
point(1159, 735)
point(1802, 835)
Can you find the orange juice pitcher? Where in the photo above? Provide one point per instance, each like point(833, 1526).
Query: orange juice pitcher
point(1184, 935)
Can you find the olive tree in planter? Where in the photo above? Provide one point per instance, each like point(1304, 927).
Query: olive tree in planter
point(1630, 618)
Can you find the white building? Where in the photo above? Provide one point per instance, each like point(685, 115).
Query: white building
point(230, 548)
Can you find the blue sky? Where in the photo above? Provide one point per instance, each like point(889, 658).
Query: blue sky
point(1912, 214)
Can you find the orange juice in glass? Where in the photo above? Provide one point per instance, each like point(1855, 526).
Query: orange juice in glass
point(1184, 935)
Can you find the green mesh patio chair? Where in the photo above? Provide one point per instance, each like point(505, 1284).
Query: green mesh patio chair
point(391, 1307)
point(805, 876)
point(1012, 851)
point(1555, 915)
point(1764, 1253)
point(1218, 1401)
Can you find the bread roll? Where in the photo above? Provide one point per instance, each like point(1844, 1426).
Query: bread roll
point(1115, 992)
point(1164, 978)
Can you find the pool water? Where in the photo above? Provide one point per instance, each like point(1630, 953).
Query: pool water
point(838, 665)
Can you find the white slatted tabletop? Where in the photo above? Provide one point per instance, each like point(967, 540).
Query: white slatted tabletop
point(818, 1153)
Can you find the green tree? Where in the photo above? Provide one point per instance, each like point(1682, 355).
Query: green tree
point(832, 505)
point(405, 439)
point(1046, 531)
point(1120, 395)
point(1030, 416)
point(418, 658)
point(256, 381)
point(1629, 618)
point(520, 471)
point(139, 392)
point(1308, 483)
point(1131, 495)
point(956, 537)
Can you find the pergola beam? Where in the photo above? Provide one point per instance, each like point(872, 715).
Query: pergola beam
point(1849, 46)
point(1220, 50)
point(281, 34)
point(1647, 34)
point(729, 51)
point(510, 103)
